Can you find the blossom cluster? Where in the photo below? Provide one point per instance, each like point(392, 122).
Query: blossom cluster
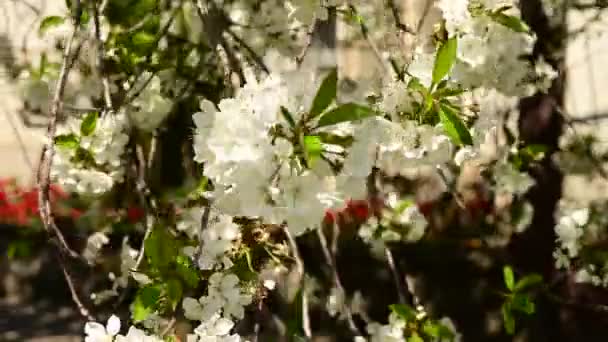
point(96, 332)
point(285, 151)
point(580, 232)
point(88, 157)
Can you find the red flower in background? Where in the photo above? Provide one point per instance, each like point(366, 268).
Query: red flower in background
point(135, 214)
point(19, 205)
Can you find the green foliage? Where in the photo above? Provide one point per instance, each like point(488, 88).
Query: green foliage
point(445, 91)
point(445, 59)
point(406, 312)
point(345, 113)
point(313, 147)
point(507, 317)
point(326, 94)
point(146, 302)
point(454, 127)
point(528, 155)
point(528, 282)
point(69, 141)
point(49, 22)
point(509, 278)
point(421, 327)
point(19, 249)
point(127, 13)
point(187, 271)
point(174, 290)
point(288, 117)
point(160, 248)
point(415, 338)
point(510, 21)
point(87, 126)
point(295, 328)
point(520, 299)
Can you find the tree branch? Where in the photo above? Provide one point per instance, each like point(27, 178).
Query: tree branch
point(48, 150)
point(82, 309)
point(107, 96)
point(300, 269)
point(330, 258)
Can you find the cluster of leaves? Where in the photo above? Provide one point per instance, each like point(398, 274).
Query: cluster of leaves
point(167, 275)
point(520, 298)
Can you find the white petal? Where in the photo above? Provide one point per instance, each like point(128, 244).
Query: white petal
point(223, 326)
point(94, 329)
point(113, 326)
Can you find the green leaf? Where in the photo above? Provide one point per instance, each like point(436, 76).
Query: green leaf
point(523, 303)
point(313, 148)
point(49, 22)
point(508, 277)
point(294, 321)
point(69, 141)
point(288, 117)
point(511, 22)
point(448, 92)
point(326, 94)
point(454, 127)
point(142, 41)
point(430, 329)
point(87, 126)
point(415, 338)
point(145, 302)
point(527, 282)
point(406, 312)
point(160, 248)
point(534, 152)
point(445, 59)
point(174, 290)
point(249, 261)
point(186, 270)
point(43, 64)
point(344, 113)
point(199, 192)
point(445, 332)
point(19, 249)
point(508, 319)
point(84, 17)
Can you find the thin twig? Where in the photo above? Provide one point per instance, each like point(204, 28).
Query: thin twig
point(396, 277)
point(307, 44)
point(570, 122)
point(204, 224)
point(330, 258)
point(135, 93)
point(589, 118)
point(257, 325)
point(401, 27)
point(169, 326)
point(82, 309)
point(107, 97)
point(373, 195)
point(31, 7)
point(425, 13)
point(254, 55)
point(300, 269)
point(48, 150)
point(77, 109)
point(365, 32)
point(215, 24)
point(146, 201)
